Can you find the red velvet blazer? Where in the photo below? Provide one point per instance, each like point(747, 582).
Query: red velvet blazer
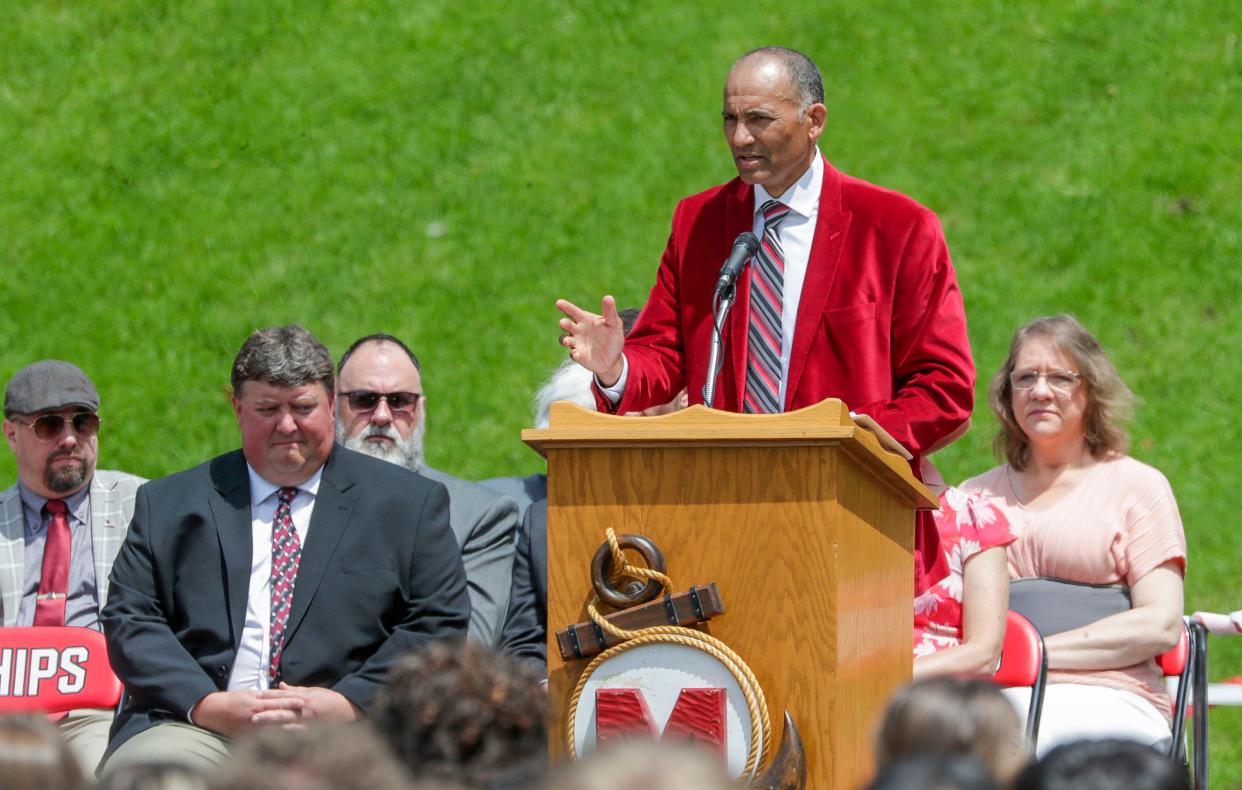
point(880, 324)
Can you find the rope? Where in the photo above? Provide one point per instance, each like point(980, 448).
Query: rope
point(752, 692)
point(622, 567)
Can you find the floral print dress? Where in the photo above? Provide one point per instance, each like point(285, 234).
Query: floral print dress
point(968, 524)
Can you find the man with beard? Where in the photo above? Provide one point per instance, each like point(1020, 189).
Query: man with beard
point(380, 410)
point(62, 522)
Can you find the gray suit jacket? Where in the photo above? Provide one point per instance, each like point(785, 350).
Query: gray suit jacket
point(112, 506)
point(524, 490)
point(485, 524)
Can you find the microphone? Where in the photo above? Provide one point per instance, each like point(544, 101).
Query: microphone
point(744, 246)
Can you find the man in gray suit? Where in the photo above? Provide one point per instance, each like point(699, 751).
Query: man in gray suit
point(63, 521)
point(380, 410)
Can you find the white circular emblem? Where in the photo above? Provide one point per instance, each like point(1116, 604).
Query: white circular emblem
point(659, 673)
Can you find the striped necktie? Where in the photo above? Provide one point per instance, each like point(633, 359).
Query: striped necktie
point(767, 281)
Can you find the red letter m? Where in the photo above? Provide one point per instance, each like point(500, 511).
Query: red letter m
point(698, 717)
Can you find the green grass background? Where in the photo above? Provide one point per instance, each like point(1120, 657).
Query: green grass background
point(176, 174)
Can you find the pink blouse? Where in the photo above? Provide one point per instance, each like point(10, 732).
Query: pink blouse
point(1119, 523)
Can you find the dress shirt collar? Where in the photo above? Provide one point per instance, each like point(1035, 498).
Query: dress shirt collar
point(78, 504)
point(803, 197)
point(261, 489)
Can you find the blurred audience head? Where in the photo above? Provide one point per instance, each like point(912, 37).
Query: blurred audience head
point(380, 406)
point(1104, 765)
point(154, 776)
point(322, 756)
point(934, 772)
point(1108, 401)
point(644, 765)
point(33, 756)
point(462, 713)
point(954, 715)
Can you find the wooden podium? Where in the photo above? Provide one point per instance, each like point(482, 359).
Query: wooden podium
point(803, 520)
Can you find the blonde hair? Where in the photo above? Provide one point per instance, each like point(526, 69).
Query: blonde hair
point(1109, 401)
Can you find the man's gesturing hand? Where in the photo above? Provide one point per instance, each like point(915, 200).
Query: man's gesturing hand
point(594, 341)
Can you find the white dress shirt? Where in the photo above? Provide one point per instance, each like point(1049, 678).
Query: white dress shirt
point(797, 231)
point(250, 669)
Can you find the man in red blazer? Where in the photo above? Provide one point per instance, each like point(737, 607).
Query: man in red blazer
point(868, 310)
point(877, 320)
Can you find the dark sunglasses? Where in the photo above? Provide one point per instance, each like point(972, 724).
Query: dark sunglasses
point(398, 402)
point(47, 427)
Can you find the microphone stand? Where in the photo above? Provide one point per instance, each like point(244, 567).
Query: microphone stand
point(721, 304)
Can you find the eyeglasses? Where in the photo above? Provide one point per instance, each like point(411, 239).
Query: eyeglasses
point(49, 427)
point(1062, 381)
point(398, 402)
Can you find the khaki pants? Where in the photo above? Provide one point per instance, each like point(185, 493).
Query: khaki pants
point(171, 742)
point(86, 733)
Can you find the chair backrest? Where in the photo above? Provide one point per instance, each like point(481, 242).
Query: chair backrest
point(55, 669)
point(1173, 663)
point(1022, 655)
point(1024, 663)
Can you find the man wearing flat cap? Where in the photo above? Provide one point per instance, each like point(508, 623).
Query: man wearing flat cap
point(63, 521)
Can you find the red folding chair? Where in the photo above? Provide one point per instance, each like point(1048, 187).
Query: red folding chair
point(1188, 663)
point(53, 669)
point(1024, 664)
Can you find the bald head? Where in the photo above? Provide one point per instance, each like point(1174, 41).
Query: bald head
point(802, 82)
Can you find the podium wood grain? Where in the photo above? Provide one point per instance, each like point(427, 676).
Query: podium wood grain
point(802, 519)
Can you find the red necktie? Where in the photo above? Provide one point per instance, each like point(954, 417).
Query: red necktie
point(286, 553)
point(54, 581)
point(767, 282)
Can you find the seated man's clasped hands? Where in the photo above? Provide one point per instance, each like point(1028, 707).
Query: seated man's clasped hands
point(1085, 513)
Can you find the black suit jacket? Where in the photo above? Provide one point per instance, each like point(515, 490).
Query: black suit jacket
point(526, 626)
point(380, 573)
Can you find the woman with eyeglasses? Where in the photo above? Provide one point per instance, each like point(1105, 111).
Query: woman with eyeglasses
point(1100, 551)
